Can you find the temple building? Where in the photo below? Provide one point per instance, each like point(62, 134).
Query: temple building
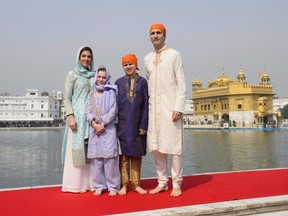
point(31, 110)
point(235, 103)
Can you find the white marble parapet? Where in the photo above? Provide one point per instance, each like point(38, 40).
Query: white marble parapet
point(237, 207)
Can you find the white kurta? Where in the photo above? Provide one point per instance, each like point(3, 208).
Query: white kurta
point(167, 93)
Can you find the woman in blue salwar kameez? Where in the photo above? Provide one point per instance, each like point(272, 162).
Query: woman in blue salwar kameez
point(76, 172)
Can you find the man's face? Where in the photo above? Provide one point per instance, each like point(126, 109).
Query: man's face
point(157, 38)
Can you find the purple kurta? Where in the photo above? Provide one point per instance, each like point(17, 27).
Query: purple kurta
point(133, 115)
point(105, 145)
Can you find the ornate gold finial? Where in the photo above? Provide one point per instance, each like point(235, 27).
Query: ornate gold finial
point(241, 75)
point(265, 77)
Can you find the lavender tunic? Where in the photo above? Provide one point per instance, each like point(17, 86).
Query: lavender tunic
point(104, 108)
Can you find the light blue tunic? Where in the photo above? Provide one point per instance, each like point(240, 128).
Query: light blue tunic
point(106, 145)
point(78, 83)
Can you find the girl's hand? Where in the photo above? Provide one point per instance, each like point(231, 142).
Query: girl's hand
point(99, 128)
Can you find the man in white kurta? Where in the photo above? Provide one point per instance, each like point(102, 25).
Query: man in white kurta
point(167, 95)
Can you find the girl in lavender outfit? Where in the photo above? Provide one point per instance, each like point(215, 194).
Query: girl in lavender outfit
point(103, 147)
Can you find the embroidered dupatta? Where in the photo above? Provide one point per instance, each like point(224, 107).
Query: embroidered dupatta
point(77, 86)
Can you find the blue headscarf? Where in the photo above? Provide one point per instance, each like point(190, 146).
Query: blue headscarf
point(88, 73)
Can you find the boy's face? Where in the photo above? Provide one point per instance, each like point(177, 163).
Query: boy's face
point(129, 68)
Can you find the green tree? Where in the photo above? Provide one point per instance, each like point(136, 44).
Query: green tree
point(284, 112)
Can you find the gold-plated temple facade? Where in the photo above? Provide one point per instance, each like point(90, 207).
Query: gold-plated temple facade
point(235, 102)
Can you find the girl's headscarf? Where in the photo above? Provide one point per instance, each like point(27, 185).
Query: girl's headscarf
point(79, 68)
point(107, 85)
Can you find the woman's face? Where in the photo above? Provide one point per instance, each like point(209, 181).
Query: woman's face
point(101, 78)
point(85, 59)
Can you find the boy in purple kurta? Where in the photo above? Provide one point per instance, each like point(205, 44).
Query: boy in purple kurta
point(133, 122)
point(103, 145)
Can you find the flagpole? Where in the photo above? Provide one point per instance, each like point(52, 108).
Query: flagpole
point(259, 74)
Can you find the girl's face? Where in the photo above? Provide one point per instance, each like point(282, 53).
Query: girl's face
point(129, 68)
point(85, 59)
point(101, 78)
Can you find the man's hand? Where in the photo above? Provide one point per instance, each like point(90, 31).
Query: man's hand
point(176, 116)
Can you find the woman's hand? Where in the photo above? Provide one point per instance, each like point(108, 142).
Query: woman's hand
point(72, 123)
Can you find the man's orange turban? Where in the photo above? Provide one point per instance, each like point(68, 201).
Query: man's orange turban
point(130, 58)
point(160, 27)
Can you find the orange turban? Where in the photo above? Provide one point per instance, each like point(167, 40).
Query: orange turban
point(130, 58)
point(160, 27)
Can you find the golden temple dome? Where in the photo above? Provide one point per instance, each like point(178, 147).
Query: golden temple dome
point(197, 83)
point(241, 75)
point(222, 80)
point(265, 75)
point(265, 78)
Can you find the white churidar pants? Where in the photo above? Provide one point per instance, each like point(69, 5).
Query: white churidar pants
point(176, 169)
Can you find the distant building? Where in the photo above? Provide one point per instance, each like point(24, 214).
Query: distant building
point(279, 103)
point(235, 103)
point(188, 112)
point(31, 110)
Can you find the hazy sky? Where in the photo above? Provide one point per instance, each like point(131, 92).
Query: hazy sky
point(40, 38)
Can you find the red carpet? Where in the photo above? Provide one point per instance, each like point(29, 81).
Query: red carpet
point(198, 189)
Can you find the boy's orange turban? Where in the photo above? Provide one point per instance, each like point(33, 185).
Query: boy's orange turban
point(130, 58)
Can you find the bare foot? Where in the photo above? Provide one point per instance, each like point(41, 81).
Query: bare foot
point(158, 189)
point(140, 190)
point(98, 192)
point(112, 193)
point(123, 191)
point(176, 192)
